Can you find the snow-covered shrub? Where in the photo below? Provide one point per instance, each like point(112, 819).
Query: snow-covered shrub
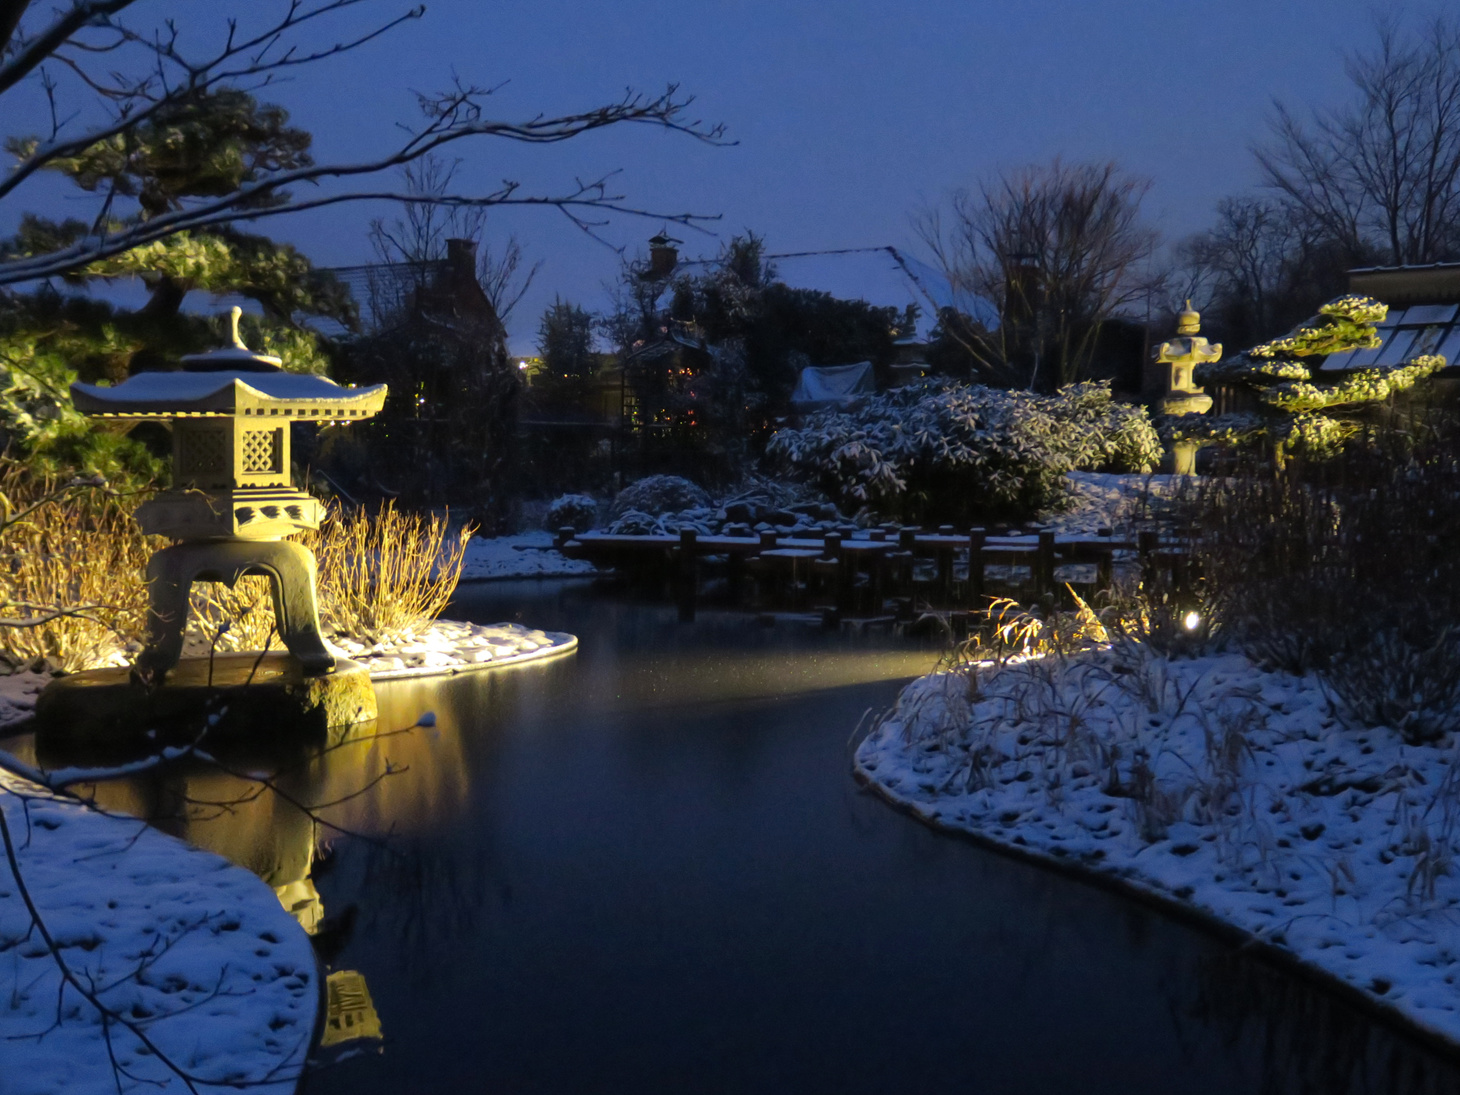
point(635, 523)
point(638, 523)
point(658, 494)
point(757, 498)
point(954, 452)
point(576, 511)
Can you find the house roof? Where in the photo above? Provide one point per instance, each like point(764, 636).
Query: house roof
point(380, 290)
point(1407, 333)
point(1428, 283)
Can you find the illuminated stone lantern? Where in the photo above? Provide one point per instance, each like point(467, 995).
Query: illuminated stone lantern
point(232, 502)
point(1176, 361)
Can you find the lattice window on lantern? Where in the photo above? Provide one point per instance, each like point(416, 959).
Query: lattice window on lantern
point(263, 452)
point(202, 452)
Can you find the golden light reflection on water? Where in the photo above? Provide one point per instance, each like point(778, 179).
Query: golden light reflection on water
point(394, 777)
point(731, 675)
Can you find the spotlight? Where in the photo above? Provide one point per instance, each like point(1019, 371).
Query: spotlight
point(1191, 621)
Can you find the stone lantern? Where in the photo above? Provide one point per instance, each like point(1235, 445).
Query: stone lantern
point(232, 502)
point(1176, 361)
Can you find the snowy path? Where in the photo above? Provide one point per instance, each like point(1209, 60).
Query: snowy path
point(1210, 783)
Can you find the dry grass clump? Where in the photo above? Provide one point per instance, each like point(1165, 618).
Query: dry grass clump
point(386, 573)
point(71, 557)
point(1010, 632)
point(72, 565)
point(224, 619)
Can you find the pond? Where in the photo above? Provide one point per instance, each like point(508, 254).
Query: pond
point(647, 868)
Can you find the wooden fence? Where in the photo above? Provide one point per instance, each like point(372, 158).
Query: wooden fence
point(893, 571)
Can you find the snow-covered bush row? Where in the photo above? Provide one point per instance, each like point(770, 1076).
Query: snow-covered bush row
point(576, 511)
point(757, 503)
point(955, 452)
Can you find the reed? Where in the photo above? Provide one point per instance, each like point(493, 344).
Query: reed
point(385, 574)
point(71, 557)
point(72, 560)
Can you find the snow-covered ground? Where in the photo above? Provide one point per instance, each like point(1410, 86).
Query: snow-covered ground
point(523, 555)
point(450, 646)
point(180, 948)
point(1104, 500)
point(17, 694)
point(1206, 782)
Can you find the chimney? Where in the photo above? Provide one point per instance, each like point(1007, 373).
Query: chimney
point(663, 256)
point(461, 256)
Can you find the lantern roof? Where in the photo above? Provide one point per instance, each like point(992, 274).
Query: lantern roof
point(227, 393)
point(228, 382)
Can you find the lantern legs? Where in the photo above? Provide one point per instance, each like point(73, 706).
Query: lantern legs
point(171, 572)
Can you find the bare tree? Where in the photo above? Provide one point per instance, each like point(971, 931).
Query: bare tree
point(133, 76)
point(420, 233)
point(1381, 174)
point(1058, 249)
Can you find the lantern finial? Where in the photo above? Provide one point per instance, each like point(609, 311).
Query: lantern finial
point(235, 314)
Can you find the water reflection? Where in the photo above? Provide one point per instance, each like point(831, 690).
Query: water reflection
point(646, 868)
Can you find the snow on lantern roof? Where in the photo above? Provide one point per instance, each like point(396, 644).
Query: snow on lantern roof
point(228, 382)
point(177, 395)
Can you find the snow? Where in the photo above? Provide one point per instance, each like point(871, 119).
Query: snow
point(1106, 500)
point(1210, 783)
point(17, 694)
point(166, 389)
point(437, 648)
point(523, 555)
point(196, 954)
point(450, 646)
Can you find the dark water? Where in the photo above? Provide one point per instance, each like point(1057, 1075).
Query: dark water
point(646, 868)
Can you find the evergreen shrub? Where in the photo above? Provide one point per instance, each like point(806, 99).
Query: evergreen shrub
point(942, 452)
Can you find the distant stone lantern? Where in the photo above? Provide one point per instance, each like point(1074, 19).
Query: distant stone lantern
point(232, 502)
point(1177, 361)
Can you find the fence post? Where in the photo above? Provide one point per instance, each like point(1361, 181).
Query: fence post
point(688, 577)
point(975, 569)
point(1146, 543)
point(1044, 565)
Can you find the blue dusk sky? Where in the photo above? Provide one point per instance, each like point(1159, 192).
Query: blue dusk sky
point(849, 116)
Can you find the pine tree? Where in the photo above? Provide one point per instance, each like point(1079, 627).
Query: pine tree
point(213, 143)
point(1298, 409)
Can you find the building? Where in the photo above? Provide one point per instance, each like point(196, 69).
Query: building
point(1424, 316)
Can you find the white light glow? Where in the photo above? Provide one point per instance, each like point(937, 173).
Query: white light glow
point(1191, 620)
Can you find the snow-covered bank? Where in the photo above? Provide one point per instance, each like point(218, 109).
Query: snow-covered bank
point(175, 943)
point(522, 555)
point(1209, 783)
point(438, 648)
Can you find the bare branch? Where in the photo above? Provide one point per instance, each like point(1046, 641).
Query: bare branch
point(37, 50)
point(453, 117)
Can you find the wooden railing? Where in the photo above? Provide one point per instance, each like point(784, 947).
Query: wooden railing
point(854, 576)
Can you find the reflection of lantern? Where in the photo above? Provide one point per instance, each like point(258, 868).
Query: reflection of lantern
point(232, 501)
